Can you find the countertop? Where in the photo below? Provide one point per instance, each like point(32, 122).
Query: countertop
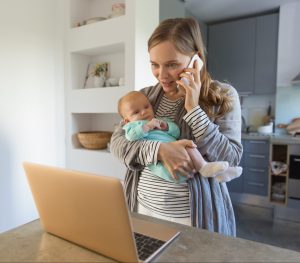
point(272, 138)
point(29, 243)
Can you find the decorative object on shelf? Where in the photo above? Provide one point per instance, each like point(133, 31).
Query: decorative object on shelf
point(107, 84)
point(96, 72)
point(99, 81)
point(117, 9)
point(278, 167)
point(95, 140)
point(113, 81)
point(121, 81)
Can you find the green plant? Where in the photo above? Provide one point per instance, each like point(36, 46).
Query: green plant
point(100, 69)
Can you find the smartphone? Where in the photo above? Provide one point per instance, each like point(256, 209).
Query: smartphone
point(190, 65)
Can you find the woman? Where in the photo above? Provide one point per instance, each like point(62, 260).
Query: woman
point(208, 114)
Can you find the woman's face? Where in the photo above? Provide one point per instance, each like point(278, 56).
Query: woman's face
point(166, 64)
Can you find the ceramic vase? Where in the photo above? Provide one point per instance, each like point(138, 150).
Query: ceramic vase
point(99, 81)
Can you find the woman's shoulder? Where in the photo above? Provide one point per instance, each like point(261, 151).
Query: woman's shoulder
point(151, 89)
point(154, 93)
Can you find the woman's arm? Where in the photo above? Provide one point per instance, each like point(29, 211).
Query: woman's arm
point(175, 157)
point(221, 141)
point(135, 155)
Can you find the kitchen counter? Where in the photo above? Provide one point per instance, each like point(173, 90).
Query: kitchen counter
point(272, 138)
point(29, 243)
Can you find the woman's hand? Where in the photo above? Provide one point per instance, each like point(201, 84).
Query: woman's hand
point(191, 89)
point(176, 159)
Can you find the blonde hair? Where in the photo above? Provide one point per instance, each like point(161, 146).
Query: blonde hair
point(186, 37)
point(126, 98)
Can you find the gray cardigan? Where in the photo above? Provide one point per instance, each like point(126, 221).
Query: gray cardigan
point(210, 202)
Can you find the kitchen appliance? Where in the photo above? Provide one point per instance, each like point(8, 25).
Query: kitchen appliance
point(294, 177)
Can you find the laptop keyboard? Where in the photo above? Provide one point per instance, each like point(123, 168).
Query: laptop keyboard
point(146, 246)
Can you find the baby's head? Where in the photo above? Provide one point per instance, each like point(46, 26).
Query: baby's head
point(135, 106)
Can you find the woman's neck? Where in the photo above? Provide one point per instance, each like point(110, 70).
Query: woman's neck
point(174, 95)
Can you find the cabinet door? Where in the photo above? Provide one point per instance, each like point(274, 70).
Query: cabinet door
point(266, 54)
point(231, 53)
point(237, 185)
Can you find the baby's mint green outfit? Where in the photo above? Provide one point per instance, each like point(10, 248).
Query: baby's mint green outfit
point(134, 131)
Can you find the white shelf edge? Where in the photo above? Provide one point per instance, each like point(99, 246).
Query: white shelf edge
point(95, 100)
point(87, 40)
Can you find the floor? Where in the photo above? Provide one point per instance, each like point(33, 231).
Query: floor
point(256, 224)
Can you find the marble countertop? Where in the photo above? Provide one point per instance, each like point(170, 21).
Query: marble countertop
point(29, 243)
point(273, 138)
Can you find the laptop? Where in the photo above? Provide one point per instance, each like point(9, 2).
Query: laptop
point(91, 211)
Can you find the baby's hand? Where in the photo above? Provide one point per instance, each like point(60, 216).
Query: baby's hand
point(164, 125)
point(155, 124)
point(151, 125)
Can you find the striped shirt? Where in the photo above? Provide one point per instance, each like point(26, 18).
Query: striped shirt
point(160, 196)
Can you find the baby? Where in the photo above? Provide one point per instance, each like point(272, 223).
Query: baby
point(140, 124)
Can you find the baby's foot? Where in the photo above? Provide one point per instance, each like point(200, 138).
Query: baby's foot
point(229, 174)
point(212, 168)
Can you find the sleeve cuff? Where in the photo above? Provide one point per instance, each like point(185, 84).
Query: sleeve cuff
point(198, 121)
point(156, 152)
point(148, 152)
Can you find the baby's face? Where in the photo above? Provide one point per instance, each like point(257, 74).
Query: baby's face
point(137, 108)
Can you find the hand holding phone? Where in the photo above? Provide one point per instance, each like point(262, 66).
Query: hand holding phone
point(190, 65)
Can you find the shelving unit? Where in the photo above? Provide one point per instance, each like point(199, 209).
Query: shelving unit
point(122, 43)
point(280, 153)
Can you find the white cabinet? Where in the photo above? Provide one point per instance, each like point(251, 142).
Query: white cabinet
point(122, 42)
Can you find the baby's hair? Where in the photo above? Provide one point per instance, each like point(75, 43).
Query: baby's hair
point(127, 96)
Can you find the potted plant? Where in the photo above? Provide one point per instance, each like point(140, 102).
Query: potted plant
point(99, 74)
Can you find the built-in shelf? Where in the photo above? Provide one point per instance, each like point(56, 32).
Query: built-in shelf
point(94, 122)
point(80, 10)
point(279, 182)
point(283, 174)
point(80, 62)
point(102, 34)
point(120, 41)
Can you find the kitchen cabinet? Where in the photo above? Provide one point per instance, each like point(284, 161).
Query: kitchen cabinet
point(255, 163)
point(116, 40)
point(237, 185)
point(231, 53)
point(244, 53)
point(266, 54)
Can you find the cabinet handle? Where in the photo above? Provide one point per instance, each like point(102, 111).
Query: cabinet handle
point(256, 170)
point(255, 184)
point(257, 156)
point(296, 160)
point(258, 142)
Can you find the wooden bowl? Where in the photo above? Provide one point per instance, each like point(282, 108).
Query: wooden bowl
point(94, 139)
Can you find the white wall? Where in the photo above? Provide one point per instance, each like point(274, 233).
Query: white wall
point(31, 101)
point(288, 97)
point(144, 26)
point(288, 43)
